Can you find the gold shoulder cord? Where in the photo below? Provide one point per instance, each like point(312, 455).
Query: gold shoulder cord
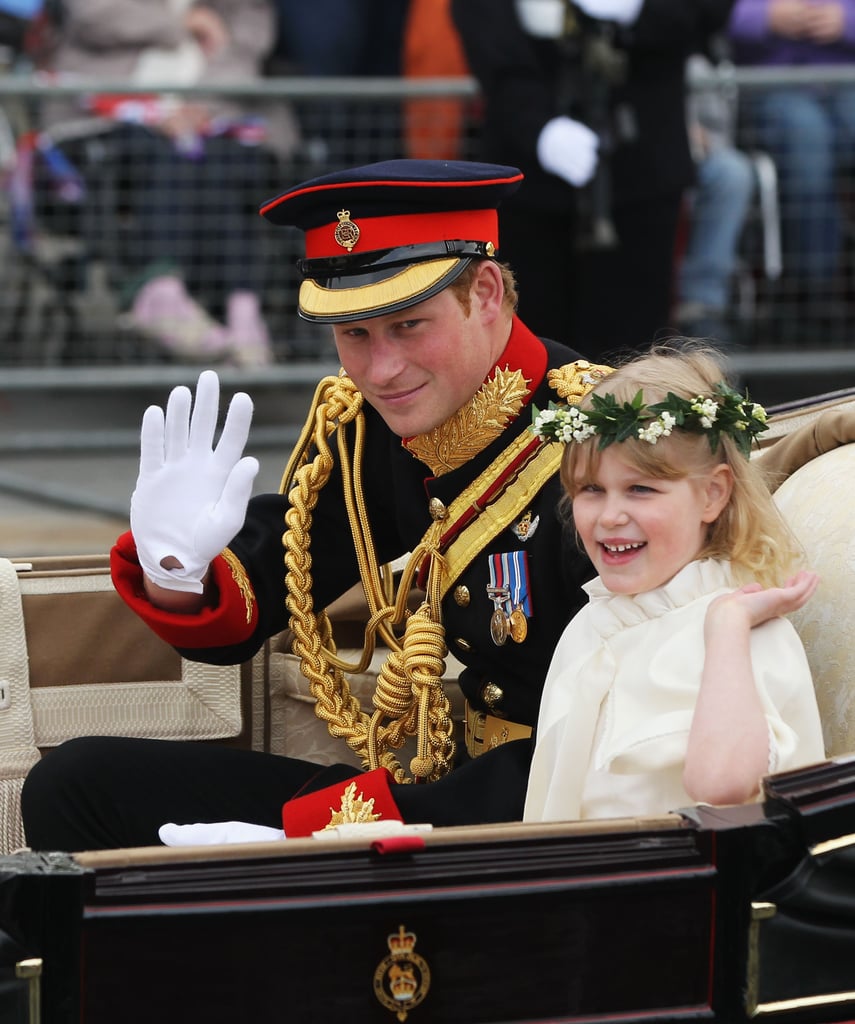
point(409, 688)
point(409, 699)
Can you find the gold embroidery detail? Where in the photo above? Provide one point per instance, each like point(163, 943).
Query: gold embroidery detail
point(575, 380)
point(241, 579)
point(354, 809)
point(470, 430)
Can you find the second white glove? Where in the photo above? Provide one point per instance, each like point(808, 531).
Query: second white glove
point(217, 833)
point(624, 12)
point(191, 497)
point(568, 148)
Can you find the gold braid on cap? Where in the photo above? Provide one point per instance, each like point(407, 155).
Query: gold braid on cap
point(409, 699)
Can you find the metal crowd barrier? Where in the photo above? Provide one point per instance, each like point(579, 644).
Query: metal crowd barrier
point(61, 257)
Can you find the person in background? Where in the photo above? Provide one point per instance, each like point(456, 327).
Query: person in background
point(18, 19)
point(809, 131)
point(588, 99)
point(680, 682)
point(187, 169)
point(434, 129)
point(348, 39)
point(717, 209)
point(338, 37)
point(429, 456)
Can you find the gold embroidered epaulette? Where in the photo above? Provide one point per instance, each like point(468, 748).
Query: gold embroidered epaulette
point(574, 380)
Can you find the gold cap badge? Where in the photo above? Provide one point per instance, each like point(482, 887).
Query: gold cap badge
point(347, 231)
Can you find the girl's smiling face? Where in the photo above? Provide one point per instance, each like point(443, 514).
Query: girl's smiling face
point(639, 530)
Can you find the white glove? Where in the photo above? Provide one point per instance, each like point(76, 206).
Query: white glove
point(624, 12)
point(216, 833)
point(568, 148)
point(191, 498)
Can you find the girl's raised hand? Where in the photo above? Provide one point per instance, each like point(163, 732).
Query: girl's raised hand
point(760, 603)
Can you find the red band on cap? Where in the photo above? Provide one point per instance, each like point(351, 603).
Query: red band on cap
point(408, 229)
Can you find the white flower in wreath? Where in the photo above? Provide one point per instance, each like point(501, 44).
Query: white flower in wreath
point(707, 409)
point(578, 427)
point(544, 417)
point(660, 427)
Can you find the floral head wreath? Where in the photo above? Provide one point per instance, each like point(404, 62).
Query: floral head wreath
point(724, 412)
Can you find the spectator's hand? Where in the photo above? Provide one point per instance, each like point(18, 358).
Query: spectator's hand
point(824, 23)
point(208, 29)
point(568, 148)
point(788, 18)
point(186, 120)
point(622, 11)
point(191, 497)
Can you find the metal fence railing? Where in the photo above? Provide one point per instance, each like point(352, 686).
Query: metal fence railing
point(72, 228)
point(85, 211)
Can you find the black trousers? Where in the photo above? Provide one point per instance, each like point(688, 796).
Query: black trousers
point(103, 792)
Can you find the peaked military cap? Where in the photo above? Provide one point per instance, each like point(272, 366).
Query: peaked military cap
point(385, 236)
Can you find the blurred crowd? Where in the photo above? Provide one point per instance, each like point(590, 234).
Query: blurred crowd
point(630, 224)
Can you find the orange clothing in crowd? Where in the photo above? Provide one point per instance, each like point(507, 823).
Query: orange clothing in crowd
point(433, 128)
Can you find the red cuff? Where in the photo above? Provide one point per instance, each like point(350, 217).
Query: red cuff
point(232, 621)
point(346, 801)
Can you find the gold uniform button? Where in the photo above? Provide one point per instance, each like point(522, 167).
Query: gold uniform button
point(461, 596)
point(437, 510)
point(464, 645)
point(492, 695)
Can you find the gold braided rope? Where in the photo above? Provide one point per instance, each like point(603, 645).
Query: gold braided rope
point(409, 691)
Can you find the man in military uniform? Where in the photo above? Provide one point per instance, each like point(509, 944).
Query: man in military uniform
point(428, 453)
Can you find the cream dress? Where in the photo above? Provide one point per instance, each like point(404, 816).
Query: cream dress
point(621, 690)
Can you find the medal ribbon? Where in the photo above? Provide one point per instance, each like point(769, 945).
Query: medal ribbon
point(509, 571)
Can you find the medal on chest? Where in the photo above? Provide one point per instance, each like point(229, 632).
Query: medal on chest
point(509, 592)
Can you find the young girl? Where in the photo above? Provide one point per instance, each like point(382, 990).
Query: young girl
point(679, 682)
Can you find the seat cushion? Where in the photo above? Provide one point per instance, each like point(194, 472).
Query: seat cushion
point(817, 502)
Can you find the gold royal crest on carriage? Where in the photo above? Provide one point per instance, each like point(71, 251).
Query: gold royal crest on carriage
point(402, 978)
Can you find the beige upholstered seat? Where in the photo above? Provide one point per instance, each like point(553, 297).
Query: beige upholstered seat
point(818, 501)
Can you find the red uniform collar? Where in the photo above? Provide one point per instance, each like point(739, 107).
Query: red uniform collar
point(525, 352)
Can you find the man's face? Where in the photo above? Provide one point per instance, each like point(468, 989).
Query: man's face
point(419, 366)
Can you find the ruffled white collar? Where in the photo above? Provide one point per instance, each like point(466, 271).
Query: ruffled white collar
point(611, 612)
